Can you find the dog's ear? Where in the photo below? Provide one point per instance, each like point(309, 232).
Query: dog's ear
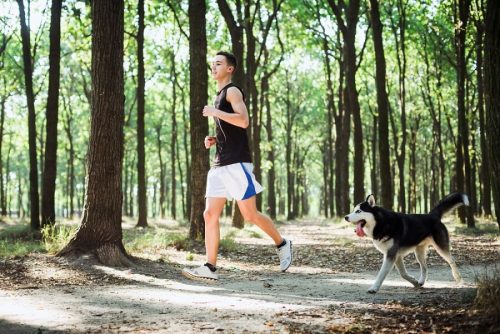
point(371, 200)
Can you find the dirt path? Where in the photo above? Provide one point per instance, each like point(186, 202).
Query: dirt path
point(324, 292)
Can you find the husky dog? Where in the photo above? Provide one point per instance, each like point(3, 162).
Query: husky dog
point(397, 234)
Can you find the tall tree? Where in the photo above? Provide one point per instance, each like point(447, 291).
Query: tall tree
point(100, 231)
point(173, 140)
point(383, 107)
point(485, 171)
point(30, 99)
point(236, 31)
point(50, 161)
point(399, 33)
point(141, 154)
point(463, 161)
point(3, 193)
point(492, 94)
point(198, 94)
point(3, 100)
point(347, 27)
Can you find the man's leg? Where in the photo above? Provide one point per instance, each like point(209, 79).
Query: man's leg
point(248, 209)
point(213, 210)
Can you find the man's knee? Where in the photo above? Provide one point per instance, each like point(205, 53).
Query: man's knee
point(250, 217)
point(209, 215)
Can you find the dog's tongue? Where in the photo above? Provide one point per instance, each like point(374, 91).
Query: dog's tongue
point(359, 230)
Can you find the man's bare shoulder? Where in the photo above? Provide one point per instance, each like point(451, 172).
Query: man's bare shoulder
point(234, 94)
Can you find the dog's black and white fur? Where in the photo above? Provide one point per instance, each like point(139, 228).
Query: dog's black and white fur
point(397, 234)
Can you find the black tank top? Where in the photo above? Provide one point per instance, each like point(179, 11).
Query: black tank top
point(232, 141)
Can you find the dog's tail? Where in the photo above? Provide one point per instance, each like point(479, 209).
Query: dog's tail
point(450, 202)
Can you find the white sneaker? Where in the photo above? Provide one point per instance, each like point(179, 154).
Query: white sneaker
point(201, 273)
point(285, 255)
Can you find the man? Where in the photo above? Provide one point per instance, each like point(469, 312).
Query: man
point(231, 175)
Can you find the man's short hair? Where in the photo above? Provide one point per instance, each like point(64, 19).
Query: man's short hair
point(231, 59)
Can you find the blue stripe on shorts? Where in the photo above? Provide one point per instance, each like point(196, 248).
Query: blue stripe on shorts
point(251, 187)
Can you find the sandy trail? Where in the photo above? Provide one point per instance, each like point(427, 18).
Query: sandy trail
point(250, 297)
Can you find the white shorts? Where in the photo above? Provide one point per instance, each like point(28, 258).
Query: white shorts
point(232, 181)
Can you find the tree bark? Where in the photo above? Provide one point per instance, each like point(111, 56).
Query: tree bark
point(30, 99)
point(485, 171)
point(198, 81)
point(492, 94)
point(141, 154)
point(252, 94)
point(343, 130)
point(173, 144)
point(386, 194)
point(162, 171)
point(3, 200)
point(348, 28)
point(463, 127)
point(100, 232)
point(236, 30)
point(71, 157)
point(50, 161)
point(328, 157)
point(271, 156)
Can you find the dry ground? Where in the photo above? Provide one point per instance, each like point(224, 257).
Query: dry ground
point(324, 291)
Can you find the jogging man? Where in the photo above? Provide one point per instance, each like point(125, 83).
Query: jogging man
point(231, 174)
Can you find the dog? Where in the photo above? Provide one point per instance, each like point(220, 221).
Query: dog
point(397, 234)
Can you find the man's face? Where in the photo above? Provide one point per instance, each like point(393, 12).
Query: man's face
point(220, 67)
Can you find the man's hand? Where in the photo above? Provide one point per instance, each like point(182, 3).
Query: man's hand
point(209, 111)
point(209, 141)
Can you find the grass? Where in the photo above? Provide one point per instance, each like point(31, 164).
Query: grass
point(55, 237)
point(19, 240)
point(138, 240)
point(488, 293)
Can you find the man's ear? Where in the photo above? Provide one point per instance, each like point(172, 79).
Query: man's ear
point(371, 200)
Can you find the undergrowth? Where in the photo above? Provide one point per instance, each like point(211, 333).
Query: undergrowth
point(488, 293)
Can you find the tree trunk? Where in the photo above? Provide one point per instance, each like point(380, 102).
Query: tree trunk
point(412, 195)
point(492, 94)
point(173, 144)
point(3, 201)
point(374, 173)
point(328, 166)
point(348, 29)
point(141, 154)
point(30, 98)
point(198, 78)
point(463, 126)
point(271, 156)
point(237, 218)
point(343, 129)
point(50, 161)
point(125, 187)
point(252, 95)
point(236, 33)
point(386, 194)
point(100, 232)
point(71, 157)
point(288, 150)
point(162, 171)
point(485, 171)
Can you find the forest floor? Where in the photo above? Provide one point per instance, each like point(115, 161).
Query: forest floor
point(323, 292)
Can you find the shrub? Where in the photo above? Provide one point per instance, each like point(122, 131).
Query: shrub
point(55, 237)
point(488, 293)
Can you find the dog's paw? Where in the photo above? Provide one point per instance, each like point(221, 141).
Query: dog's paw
point(372, 290)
